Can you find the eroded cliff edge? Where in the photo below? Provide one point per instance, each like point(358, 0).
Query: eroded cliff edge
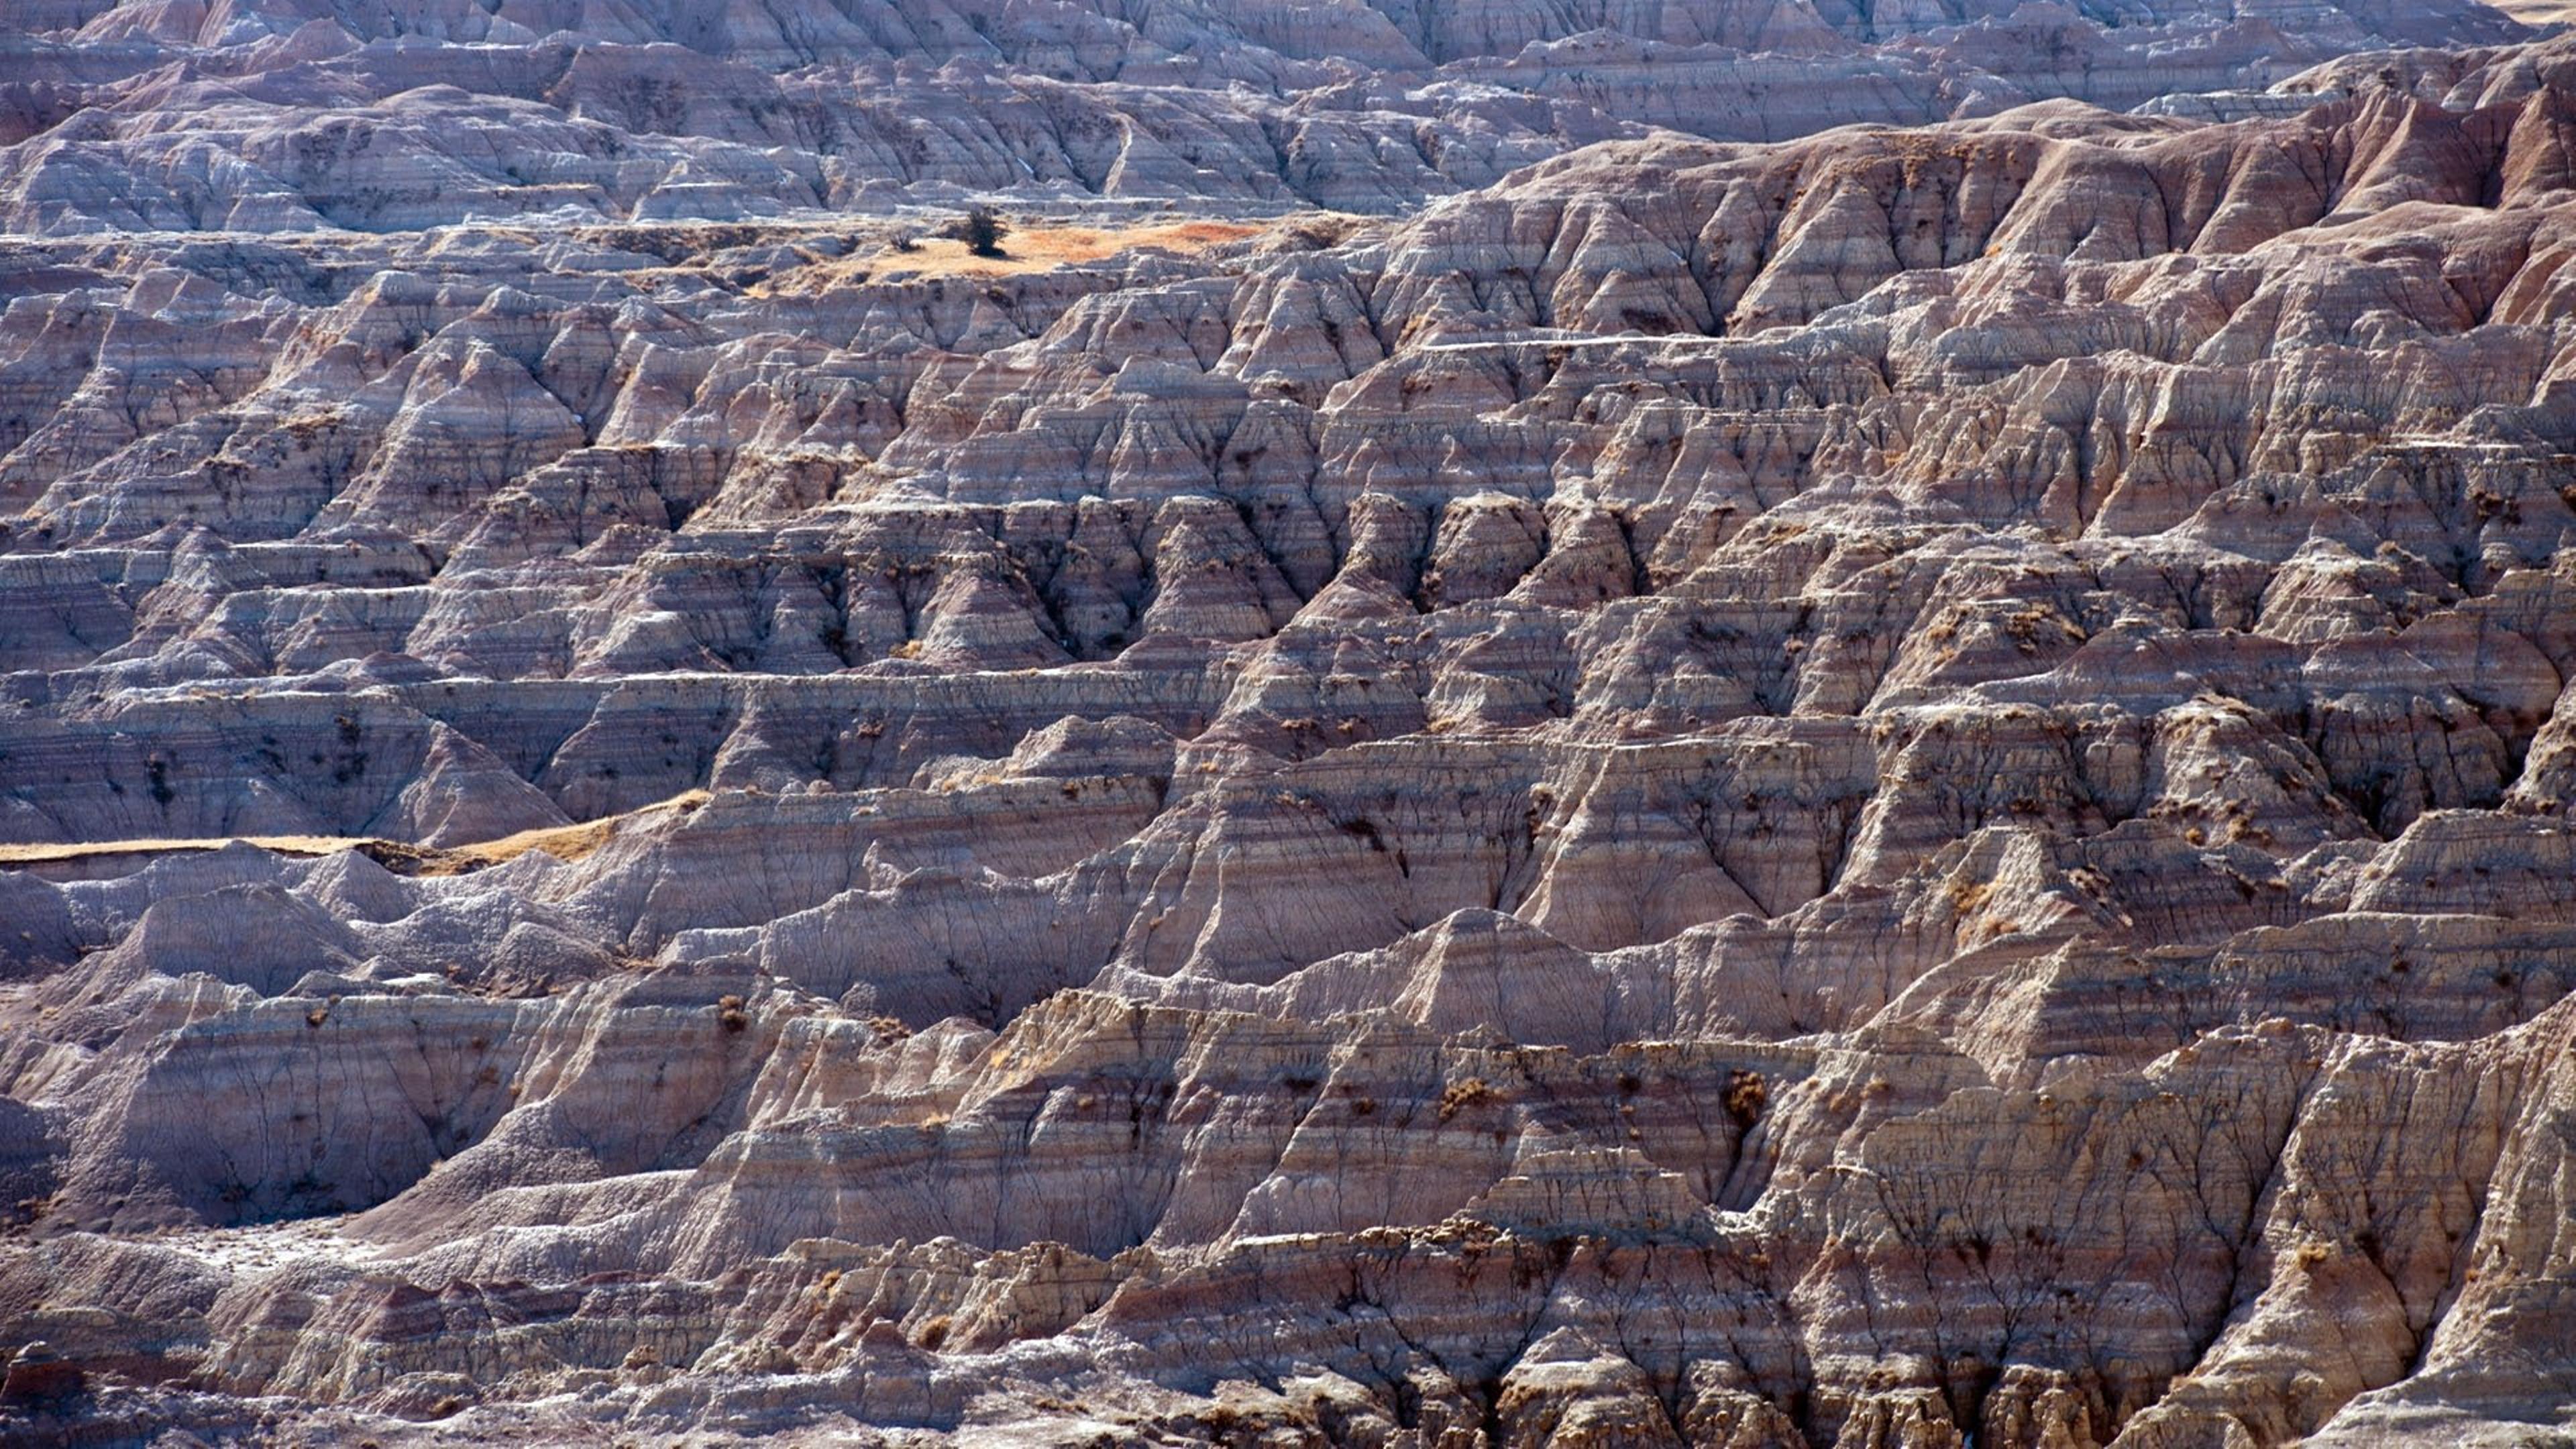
point(1886, 788)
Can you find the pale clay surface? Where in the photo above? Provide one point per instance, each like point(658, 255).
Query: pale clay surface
point(1767, 722)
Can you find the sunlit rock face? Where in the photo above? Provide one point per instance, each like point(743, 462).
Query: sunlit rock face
point(1513, 740)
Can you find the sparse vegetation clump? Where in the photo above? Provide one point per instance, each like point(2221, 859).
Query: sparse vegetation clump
point(1746, 1095)
point(1459, 1096)
point(981, 230)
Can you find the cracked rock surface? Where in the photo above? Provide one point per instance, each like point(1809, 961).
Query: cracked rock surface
point(1514, 741)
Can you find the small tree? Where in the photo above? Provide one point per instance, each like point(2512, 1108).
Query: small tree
point(981, 231)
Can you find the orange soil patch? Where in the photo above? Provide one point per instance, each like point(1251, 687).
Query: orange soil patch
point(1032, 249)
point(563, 842)
point(1040, 248)
point(2537, 12)
point(37, 854)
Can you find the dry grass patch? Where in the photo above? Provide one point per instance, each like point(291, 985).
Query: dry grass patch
point(40, 853)
point(563, 842)
point(1024, 249)
point(1037, 249)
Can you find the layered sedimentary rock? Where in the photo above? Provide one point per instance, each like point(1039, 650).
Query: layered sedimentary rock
point(287, 116)
point(1898, 786)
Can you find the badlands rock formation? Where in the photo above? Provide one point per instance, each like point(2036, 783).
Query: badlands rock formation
point(298, 116)
point(1554, 753)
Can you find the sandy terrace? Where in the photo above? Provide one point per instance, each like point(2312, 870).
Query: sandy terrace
point(1033, 249)
point(563, 842)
